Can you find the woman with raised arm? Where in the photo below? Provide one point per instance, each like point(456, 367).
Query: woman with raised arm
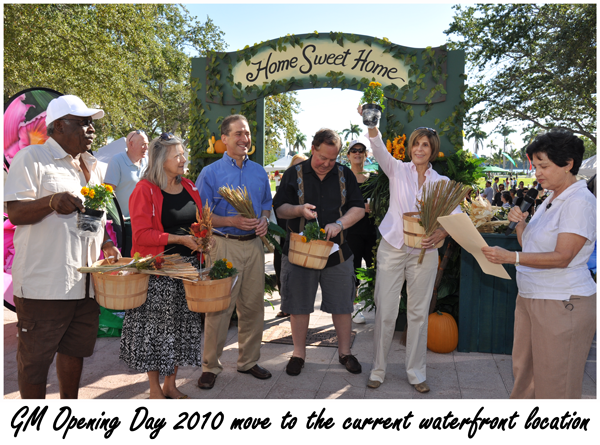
point(396, 262)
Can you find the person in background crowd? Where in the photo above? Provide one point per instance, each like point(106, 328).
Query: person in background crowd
point(495, 185)
point(163, 334)
point(320, 188)
point(555, 314)
point(362, 236)
point(521, 185)
point(239, 242)
point(506, 198)
point(123, 173)
point(297, 159)
point(497, 197)
point(56, 310)
point(488, 192)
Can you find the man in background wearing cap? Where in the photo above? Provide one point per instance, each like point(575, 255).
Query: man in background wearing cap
point(123, 173)
point(55, 307)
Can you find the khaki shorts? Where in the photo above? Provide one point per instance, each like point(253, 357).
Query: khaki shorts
point(46, 327)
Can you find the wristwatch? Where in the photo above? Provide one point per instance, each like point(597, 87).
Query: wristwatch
point(340, 224)
point(517, 261)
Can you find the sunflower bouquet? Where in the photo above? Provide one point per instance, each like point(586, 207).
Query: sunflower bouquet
point(396, 147)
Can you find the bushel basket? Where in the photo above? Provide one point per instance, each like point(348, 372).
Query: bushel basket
point(120, 292)
point(208, 296)
point(413, 231)
point(312, 255)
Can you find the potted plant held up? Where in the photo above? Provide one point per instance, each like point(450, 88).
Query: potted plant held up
point(95, 202)
point(372, 104)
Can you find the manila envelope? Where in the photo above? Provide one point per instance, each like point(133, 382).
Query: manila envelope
point(460, 227)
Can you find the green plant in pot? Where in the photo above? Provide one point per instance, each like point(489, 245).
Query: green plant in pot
point(372, 104)
point(96, 199)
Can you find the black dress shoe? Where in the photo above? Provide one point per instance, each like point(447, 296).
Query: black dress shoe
point(257, 371)
point(294, 366)
point(207, 380)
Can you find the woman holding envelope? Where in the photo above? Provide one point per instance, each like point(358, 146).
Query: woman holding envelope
point(555, 314)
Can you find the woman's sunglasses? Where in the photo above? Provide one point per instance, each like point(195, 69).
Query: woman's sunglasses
point(357, 150)
point(427, 128)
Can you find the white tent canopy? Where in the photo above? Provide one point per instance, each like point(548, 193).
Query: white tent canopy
point(588, 167)
point(279, 165)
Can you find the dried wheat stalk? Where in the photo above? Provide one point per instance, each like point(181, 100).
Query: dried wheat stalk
point(438, 199)
point(241, 202)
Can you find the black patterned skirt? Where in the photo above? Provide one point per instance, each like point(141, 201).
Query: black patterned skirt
point(162, 333)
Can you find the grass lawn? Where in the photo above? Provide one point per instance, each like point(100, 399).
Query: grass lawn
point(272, 185)
point(526, 180)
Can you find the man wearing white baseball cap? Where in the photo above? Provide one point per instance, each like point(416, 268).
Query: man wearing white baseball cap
point(56, 311)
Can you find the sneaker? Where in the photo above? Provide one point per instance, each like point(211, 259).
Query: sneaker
point(358, 318)
point(351, 364)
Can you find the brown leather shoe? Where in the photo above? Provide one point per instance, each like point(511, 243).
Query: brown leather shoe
point(351, 363)
point(257, 371)
point(207, 380)
point(422, 387)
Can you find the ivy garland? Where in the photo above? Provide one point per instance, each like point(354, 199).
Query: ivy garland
point(397, 110)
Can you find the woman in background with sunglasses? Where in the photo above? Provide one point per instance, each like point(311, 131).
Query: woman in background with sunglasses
point(362, 236)
point(163, 333)
point(396, 262)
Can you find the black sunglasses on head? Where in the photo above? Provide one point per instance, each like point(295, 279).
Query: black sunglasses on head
point(166, 136)
point(427, 128)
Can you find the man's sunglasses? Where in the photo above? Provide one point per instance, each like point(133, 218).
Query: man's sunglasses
point(133, 133)
point(82, 123)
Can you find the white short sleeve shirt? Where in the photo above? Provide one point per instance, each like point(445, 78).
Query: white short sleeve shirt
point(573, 211)
point(48, 253)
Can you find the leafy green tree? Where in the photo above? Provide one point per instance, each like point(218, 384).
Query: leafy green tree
point(129, 59)
point(351, 131)
point(280, 124)
point(535, 63)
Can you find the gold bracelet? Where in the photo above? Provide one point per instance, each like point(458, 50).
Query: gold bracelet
point(50, 202)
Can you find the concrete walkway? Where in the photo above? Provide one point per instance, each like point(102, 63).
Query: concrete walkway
point(453, 376)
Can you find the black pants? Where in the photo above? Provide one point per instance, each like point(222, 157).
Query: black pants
point(362, 248)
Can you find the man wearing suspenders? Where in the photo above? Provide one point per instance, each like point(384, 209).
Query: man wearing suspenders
point(323, 190)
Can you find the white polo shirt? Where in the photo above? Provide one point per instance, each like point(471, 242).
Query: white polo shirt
point(48, 253)
point(573, 211)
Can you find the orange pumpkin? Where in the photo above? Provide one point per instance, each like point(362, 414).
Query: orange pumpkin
point(442, 333)
point(220, 147)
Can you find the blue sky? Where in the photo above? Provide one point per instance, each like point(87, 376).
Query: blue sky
point(412, 25)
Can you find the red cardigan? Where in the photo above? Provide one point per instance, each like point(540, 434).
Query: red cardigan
point(145, 210)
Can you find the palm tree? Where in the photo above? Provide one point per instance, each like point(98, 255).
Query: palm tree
point(349, 132)
point(300, 142)
point(504, 131)
point(479, 135)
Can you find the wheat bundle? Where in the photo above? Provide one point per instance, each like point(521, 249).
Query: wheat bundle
point(241, 202)
point(438, 199)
